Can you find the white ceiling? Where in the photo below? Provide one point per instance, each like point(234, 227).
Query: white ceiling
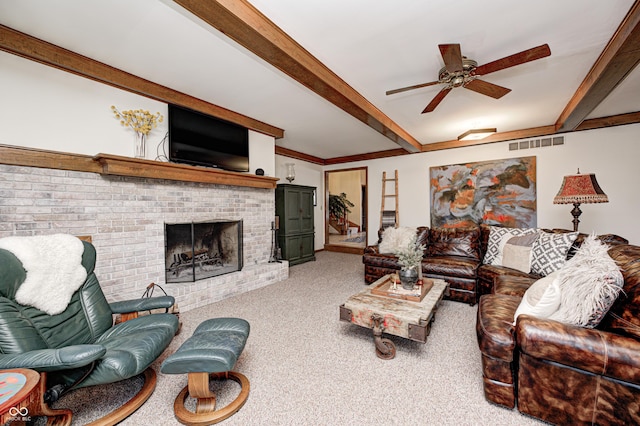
point(373, 45)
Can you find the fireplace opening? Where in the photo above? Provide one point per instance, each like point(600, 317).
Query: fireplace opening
point(195, 251)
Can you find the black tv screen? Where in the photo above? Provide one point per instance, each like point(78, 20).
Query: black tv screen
point(203, 140)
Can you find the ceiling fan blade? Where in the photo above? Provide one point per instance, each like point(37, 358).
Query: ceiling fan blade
point(435, 101)
point(404, 89)
point(486, 88)
point(525, 56)
point(452, 57)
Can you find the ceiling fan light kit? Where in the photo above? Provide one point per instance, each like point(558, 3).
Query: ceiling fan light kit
point(458, 78)
point(476, 134)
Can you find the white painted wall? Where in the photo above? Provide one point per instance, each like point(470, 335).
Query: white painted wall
point(261, 153)
point(612, 154)
point(42, 107)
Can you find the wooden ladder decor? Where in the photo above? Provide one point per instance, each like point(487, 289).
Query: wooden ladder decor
point(389, 217)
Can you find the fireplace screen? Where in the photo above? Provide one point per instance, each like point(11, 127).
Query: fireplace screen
point(194, 251)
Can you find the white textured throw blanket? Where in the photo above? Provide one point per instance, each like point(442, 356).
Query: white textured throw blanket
point(54, 269)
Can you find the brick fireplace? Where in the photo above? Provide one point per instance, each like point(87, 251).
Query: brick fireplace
point(125, 217)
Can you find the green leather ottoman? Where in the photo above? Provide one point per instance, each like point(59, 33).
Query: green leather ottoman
point(211, 352)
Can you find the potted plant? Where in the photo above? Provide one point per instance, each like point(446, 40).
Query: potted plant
point(339, 205)
point(338, 209)
point(410, 259)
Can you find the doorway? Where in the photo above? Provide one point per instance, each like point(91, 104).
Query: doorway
point(345, 222)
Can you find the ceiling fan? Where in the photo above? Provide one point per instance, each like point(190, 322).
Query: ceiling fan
point(459, 71)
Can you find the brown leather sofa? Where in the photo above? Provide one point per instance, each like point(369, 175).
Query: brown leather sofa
point(560, 373)
point(456, 255)
point(487, 274)
point(451, 254)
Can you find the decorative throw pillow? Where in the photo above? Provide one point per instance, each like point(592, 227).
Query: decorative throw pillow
point(516, 253)
point(542, 299)
point(394, 239)
point(590, 283)
point(496, 235)
point(549, 252)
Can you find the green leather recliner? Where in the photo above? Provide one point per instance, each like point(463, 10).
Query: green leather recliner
point(81, 346)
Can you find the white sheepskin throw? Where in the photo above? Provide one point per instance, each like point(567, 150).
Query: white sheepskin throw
point(394, 239)
point(590, 283)
point(54, 269)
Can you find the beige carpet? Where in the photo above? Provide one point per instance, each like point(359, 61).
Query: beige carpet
point(308, 368)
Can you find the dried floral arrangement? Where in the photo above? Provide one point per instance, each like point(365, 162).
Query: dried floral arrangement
point(141, 121)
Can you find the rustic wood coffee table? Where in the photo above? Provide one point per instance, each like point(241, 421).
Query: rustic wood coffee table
point(398, 312)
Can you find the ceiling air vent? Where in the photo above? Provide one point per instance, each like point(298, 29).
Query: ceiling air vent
point(536, 143)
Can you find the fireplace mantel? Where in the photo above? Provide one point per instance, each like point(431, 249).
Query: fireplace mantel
point(108, 164)
point(127, 166)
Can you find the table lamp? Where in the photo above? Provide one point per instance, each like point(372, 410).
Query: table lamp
point(578, 189)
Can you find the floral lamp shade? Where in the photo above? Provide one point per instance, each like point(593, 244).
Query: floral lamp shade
point(578, 189)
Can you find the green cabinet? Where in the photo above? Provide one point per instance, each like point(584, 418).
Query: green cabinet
point(296, 237)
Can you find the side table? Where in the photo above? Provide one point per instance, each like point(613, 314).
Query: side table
point(21, 398)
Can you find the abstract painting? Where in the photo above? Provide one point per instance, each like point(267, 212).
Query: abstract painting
point(497, 192)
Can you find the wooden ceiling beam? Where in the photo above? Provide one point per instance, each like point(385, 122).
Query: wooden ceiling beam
point(496, 137)
point(614, 120)
point(286, 152)
point(26, 46)
point(366, 157)
point(617, 60)
point(534, 132)
point(247, 26)
point(615, 63)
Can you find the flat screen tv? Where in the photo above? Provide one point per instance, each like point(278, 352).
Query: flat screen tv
point(203, 140)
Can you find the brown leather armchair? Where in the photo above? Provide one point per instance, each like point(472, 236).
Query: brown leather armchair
point(561, 373)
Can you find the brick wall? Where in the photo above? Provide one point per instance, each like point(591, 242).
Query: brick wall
point(125, 218)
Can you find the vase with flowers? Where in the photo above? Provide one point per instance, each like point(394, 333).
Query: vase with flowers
point(410, 260)
point(142, 122)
